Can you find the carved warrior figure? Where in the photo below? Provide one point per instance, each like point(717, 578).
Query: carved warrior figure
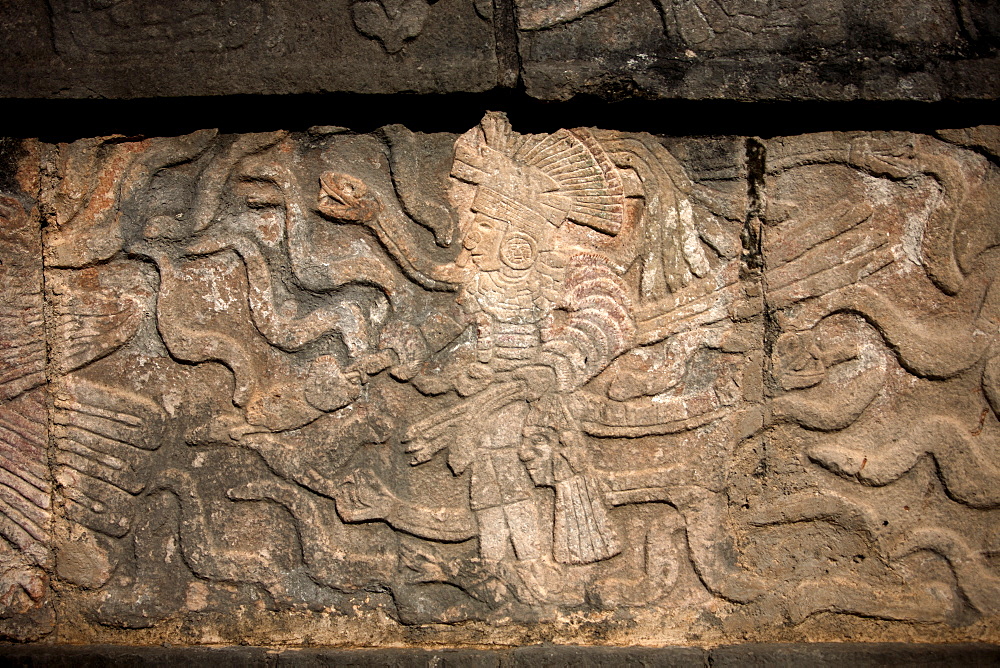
point(547, 318)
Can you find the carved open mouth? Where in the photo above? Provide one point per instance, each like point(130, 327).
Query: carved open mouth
point(332, 189)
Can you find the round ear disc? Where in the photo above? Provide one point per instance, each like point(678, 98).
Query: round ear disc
point(518, 251)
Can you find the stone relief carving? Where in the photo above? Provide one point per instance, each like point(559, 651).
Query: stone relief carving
point(709, 24)
point(769, 25)
point(401, 381)
point(391, 22)
point(918, 300)
point(84, 27)
point(25, 483)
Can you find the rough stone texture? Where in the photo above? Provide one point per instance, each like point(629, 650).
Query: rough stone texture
point(581, 387)
point(142, 48)
point(777, 655)
point(853, 654)
point(690, 49)
point(761, 49)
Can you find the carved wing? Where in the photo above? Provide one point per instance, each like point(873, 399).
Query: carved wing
point(96, 311)
point(24, 478)
point(25, 491)
point(22, 348)
point(681, 251)
point(102, 437)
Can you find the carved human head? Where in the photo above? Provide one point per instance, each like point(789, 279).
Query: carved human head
point(523, 188)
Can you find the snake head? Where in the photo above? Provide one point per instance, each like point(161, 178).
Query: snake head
point(346, 198)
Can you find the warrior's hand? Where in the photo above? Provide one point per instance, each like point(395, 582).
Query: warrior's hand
point(347, 199)
point(473, 379)
point(422, 451)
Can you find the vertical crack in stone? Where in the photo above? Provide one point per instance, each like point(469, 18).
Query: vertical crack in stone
point(47, 154)
point(753, 243)
point(752, 250)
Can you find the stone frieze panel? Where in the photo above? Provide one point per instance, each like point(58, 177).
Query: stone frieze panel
point(921, 50)
point(326, 387)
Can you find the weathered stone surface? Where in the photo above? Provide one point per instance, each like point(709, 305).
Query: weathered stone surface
point(583, 387)
point(551, 656)
point(689, 49)
point(140, 48)
point(761, 50)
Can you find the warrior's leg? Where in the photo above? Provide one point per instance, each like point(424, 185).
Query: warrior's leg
point(493, 533)
point(522, 521)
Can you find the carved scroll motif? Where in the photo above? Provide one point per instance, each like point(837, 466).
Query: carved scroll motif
point(891, 333)
point(391, 22)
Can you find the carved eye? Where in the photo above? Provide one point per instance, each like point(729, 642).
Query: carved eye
point(475, 234)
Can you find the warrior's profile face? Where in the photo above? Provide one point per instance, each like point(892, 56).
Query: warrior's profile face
point(483, 239)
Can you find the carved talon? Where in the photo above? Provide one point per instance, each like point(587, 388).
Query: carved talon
point(346, 198)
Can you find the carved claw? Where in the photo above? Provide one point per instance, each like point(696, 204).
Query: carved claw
point(363, 497)
point(346, 198)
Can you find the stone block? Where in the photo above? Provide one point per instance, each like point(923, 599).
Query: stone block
point(821, 50)
point(760, 50)
point(141, 48)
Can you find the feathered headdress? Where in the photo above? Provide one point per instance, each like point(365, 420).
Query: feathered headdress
point(534, 181)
